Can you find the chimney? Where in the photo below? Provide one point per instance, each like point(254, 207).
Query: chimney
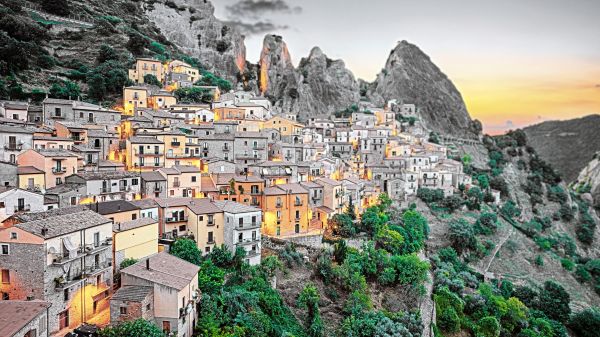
point(44, 230)
point(148, 263)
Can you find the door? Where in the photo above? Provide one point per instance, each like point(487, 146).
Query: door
point(21, 204)
point(63, 319)
point(30, 183)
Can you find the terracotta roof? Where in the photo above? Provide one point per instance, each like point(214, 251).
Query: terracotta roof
point(207, 184)
point(15, 315)
point(165, 269)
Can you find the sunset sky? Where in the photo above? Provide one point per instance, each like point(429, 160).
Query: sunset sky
point(516, 62)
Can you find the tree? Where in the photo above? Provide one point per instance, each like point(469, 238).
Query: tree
point(462, 235)
point(488, 327)
point(343, 225)
point(487, 223)
point(139, 327)
point(309, 300)
point(554, 301)
point(136, 43)
point(586, 323)
point(483, 181)
point(127, 262)
point(474, 198)
point(152, 80)
point(390, 240)
point(434, 137)
point(65, 89)
point(350, 211)
point(186, 249)
point(452, 203)
point(411, 270)
point(106, 53)
point(96, 87)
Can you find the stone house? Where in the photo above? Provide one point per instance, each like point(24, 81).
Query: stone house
point(24, 318)
point(109, 185)
point(57, 164)
point(242, 229)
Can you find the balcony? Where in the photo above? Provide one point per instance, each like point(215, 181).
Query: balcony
point(255, 192)
point(62, 283)
point(278, 205)
point(147, 165)
point(226, 148)
point(255, 203)
point(247, 156)
point(157, 189)
point(176, 219)
point(77, 138)
point(182, 155)
point(210, 223)
point(258, 147)
point(176, 184)
point(59, 170)
point(23, 208)
point(250, 225)
point(298, 203)
point(175, 143)
point(96, 268)
point(13, 147)
point(148, 154)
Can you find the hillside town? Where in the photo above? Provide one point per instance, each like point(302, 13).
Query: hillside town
point(85, 188)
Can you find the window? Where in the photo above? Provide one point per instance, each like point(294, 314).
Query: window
point(5, 276)
point(297, 214)
point(182, 228)
point(43, 323)
point(241, 222)
point(148, 307)
point(210, 219)
point(97, 239)
point(13, 235)
point(134, 181)
point(133, 216)
point(297, 229)
point(4, 249)
point(193, 179)
point(210, 237)
point(73, 201)
point(166, 326)
point(58, 181)
point(123, 310)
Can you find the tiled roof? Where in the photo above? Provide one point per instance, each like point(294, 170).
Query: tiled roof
point(327, 181)
point(133, 224)
point(144, 140)
point(144, 203)
point(165, 269)
point(203, 206)
point(107, 175)
point(113, 206)
point(235, 207)
point(28, 170)
point(56, 153)
point(64, 224)
point(132, 293)
point(153, 176)
point(15, 315)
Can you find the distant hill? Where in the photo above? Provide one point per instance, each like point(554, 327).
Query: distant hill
point(568, 145)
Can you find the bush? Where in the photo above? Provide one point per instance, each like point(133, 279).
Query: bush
point(487, 223)
point(430, 195)
point(387, 276)
point(567, 264)
point(152, 80)
point(488, 327)
point(554, 301)
point(462, 235)
point(582, 275)
point(186, 249)
point(139, 327)
point(390, 240)
point(586, 323)
point(452, 203)
point(136, 43)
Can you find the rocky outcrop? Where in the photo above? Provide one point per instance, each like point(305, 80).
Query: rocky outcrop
point(318, 86)
point(588, 180)
point(568, 145)
point(410, 76)
point(193, 28)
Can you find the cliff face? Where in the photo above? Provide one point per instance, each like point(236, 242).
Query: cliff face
point(318, 86)
point(568, 145)
point(193, 28)
point(589, 178)
point(409, 75)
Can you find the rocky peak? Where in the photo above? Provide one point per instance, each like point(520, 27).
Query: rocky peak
point(275, 61)
point(193, 28)
point(409, 75)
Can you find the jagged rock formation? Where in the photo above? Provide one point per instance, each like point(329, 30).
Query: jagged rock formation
point(589, 179)
point(318, 86)
point(193, 28)
point(567, 145)
point(410, 76)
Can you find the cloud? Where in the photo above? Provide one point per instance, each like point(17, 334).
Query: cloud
point(255, 28)
point(254, 9)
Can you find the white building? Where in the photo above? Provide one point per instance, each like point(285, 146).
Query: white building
point(242, 228)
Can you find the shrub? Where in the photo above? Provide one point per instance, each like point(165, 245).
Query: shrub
point(567, 264)
point(452, 203)
point(462, 235)
point(488, 327)
point(582, 275)
point(586, 323)
point(152, 80)
point(127, 262)
point(487, 223)
point(390, 240)
point(554, 301)
point(387, 276)
point(58, 7)
point(139, 327)
point(430, 195)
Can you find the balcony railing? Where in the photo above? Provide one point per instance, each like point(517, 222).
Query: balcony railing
point(249, 225)
point(298, 203)
point(23, 208)
point(175, 143)
point(105, 190)
point(278, 205)
point(13, 147)
point(176, 219)
point(176, 184)
point(59, 170)
point(149, 153)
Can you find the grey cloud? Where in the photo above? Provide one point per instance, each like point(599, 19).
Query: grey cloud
point(255, 28)
point(256, 8)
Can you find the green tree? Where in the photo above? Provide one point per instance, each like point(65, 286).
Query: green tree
point(554, 301)
point(127, 262)
point(96, 87)
point(462, 235)
point(309, 300)
point(487, 223)
point(137, 328)
point(488, 327)
point(58, 7)
point(586, 323)
point(152, 80)
point(483, 181)
point(65, 89)
point(106, 53)
point(186, 249)
point(390, 240)
point(343, 225)
point(350, 211)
